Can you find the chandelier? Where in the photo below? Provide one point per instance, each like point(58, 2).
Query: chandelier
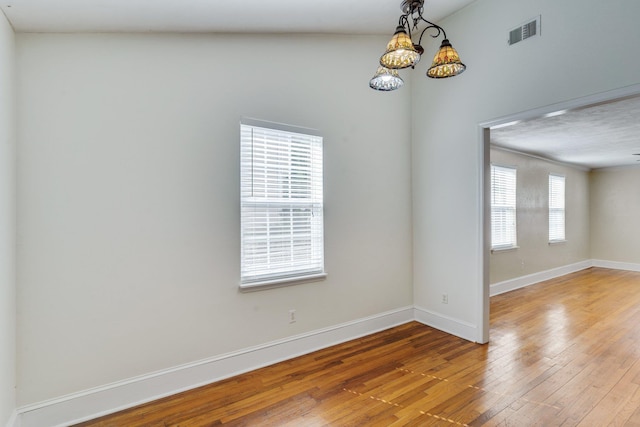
point(402, 52)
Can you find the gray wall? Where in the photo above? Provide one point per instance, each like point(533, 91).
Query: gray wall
point(615, 214)
point(129, 193)
point(534, 253)
point(603, 207)
point(7, 225)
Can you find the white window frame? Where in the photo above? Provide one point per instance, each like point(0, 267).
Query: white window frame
point(504, 230)
point(281, 219)
point(557, 211)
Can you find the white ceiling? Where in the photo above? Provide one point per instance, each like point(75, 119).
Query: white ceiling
point(281, 16)
point(602, 135)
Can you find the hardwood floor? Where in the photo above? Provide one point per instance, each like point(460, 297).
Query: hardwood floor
point(565, 352)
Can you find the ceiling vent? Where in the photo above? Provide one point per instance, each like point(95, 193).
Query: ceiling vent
point(525, 31)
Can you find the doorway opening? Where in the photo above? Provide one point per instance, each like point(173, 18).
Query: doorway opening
point(485, 128)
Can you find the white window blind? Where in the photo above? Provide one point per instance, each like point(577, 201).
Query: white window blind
point(556, 208)
point(503, 207)
point(281, 203)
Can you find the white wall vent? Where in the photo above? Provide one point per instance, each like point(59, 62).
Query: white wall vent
point(522, 32)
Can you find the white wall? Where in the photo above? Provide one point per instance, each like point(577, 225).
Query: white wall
point(534, 253)
point(615, 210)
point(128, 197)
point(568, 61)
point(7, 225)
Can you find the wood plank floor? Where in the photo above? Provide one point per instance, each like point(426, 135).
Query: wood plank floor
point(565, 352)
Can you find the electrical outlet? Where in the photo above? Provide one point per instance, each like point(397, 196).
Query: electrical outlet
point(292, 316)
point(445, 299)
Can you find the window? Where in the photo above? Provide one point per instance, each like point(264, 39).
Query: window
point(281, 203)
point(556, 208)
point(503, 207)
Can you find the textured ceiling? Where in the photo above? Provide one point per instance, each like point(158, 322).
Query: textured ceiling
point(281, 16)
point(598, 136)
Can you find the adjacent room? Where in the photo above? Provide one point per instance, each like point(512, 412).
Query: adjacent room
point(590, 151)
point(125, 184)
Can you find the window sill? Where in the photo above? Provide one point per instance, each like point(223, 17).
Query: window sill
point(556, 242)
point(504, 249)
point(280, 282)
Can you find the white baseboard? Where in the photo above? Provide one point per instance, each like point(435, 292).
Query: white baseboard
point(117, 396)
point(530, 279)
point(447, 324)
point(629, 266)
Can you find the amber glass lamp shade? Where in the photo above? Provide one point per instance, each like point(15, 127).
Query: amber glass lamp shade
point(400, 52)
point(446, 63)
point(386, 80)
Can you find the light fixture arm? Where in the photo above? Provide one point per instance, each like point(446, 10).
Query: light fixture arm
point(414, 10)
point(404, 23)
point(431, 25)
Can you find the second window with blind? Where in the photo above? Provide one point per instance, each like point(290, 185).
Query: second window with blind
point(503, 208)
point(556, 208)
